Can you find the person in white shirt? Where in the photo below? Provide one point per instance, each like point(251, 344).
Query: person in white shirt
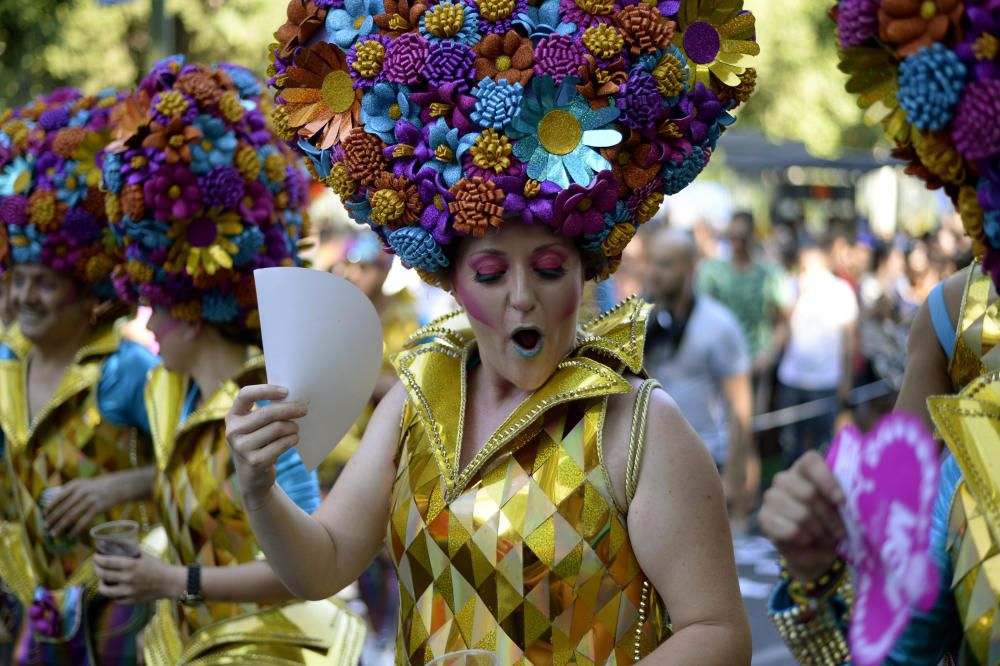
point(818, 359)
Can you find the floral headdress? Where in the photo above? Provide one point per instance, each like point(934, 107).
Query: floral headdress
point(930, 73)
point(434, 119)
point(201, 193)
point(51, 203)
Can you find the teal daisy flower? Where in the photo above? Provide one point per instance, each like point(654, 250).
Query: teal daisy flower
point(556, 133)
point(356, 20)
point(72, 188)
point(15, 178)
point(385, 105)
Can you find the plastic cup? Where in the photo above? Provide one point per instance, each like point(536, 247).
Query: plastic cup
point(466, 658)
point(117, 537)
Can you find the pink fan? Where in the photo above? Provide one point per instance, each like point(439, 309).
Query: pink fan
point(890, 478)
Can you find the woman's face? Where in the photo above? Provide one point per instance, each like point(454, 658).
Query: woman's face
point(49, 305)
point(521, 288)
point(174, 338)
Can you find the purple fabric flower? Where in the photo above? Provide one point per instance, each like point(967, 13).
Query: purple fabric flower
point(44, 616)
point(257, 204)
point(188, 115)
point(984, 25)
point(61, 251)
point(222, 187)
point(509, 179)
point(14, 210)
point(409, 150)
point(352, 57)
point(172, 193)
point(405, 59)
point(675, 147)
point(536, 209)
point(453, 100)
point(46, 166)
point(580, 210)
point(643, 193)
point(329, 4)
point(161, 77)
point(53, 119)
point(573, 13)
point(559, 56)
point(257, 126)
point(296, 187)
point(137, 166)
point(857, 21)
point(666, 7)
point(975, 131)
point(703, 107)
point(988, 187)
point(81, 225)
point(640, 101)
point(435, 197)
point(450, 62)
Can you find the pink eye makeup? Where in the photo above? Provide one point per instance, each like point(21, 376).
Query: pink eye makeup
point(550, 261)
point(488, 267)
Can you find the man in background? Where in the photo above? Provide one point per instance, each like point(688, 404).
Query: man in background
point(696, 349)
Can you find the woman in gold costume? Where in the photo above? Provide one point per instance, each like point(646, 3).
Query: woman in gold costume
point(201, 194)
point(75, 436)
point(539, 497)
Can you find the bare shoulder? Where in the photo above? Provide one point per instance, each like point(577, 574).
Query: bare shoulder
point(954, 289)
point(671, 450)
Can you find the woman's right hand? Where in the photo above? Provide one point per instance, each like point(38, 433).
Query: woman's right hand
point(800, 516)
point(258, 437)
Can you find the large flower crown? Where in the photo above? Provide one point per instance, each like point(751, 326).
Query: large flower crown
point(434, 119)
point(930, 73)
point(201, 193)
point(51, 203)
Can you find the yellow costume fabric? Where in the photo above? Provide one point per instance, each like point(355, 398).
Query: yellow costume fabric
point(205, 524)
point(68, 439)
point(525, 552)
point(977, 331)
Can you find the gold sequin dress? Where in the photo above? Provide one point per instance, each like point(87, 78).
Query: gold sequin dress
point(524, 552)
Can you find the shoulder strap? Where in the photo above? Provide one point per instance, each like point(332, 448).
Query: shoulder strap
point(942, 322)
point(637, 438)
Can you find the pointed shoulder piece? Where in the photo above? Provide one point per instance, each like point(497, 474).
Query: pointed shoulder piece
point(452, 329)
point(970, 425)
point(619, 333)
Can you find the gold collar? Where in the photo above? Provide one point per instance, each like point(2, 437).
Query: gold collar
point(83, 373)
point(438, 353)
point(166, 393)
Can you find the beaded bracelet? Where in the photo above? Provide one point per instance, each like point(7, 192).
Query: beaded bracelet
point(818, 589)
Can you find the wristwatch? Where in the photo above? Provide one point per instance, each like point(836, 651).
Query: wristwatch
point(192, 595)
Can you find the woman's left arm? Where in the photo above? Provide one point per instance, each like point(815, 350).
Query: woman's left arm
point(680, 535)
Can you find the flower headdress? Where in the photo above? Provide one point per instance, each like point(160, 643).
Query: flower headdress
point(51, 203)
point(201, 193)
point(930, 73)
point(434, 119)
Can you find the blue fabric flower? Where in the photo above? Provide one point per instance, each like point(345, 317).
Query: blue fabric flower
point(249, 242)
point(678, 176)
point(72, 189)
point(594, 243)
point(321, 159)
point(544, 20)
point(468, 34)
point(416, 248)
point(262, 154)
point(497, 102)
point(111, 172)
point(16, 177)
point(360, 211)
point(383, 106)
point(151, 234)
point(243, 78)
point(216, 147)
point(930, 85)
point(26, 244)
point(356, 20)
point(218, 308)
point(443, 142)
point(557, 132)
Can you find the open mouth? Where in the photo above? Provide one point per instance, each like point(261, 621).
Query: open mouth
point(527, 341)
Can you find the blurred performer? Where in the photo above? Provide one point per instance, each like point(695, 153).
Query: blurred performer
point(76, 450)
point(695, 348)
point(201, 193)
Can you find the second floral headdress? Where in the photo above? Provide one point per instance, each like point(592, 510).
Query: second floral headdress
point(440, 118)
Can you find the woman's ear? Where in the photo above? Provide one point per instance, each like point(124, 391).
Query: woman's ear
point(193, 330)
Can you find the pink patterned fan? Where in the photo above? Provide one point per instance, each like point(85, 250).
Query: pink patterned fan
point(890, 478)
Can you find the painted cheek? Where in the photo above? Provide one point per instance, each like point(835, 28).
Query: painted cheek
point(572, 303)
point(472, 305)
point(162, 329)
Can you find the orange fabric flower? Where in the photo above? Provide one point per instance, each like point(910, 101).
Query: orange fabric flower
point(400, 16)
point(363, 155)
point(67, 140)
point(133, 202)
point(203, 85)
point(395, 201)
point(644, 29)
point(509, 56)
point(477, 206)
point(742, 92)
point(174, 139)
point(911, 24)
point(628, 163)
point(597, 82)
point(304, 19)
point(320, 96)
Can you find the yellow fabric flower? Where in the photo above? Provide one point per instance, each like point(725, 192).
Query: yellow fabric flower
point(204, 242)
point(717, 39)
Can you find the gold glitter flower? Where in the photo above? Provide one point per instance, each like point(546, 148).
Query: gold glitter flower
point(230, 107)
point(491, 151)
point(171, 103)
point(603, 40)
point(247, 162)
point(340, 181)
point(368, 58)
